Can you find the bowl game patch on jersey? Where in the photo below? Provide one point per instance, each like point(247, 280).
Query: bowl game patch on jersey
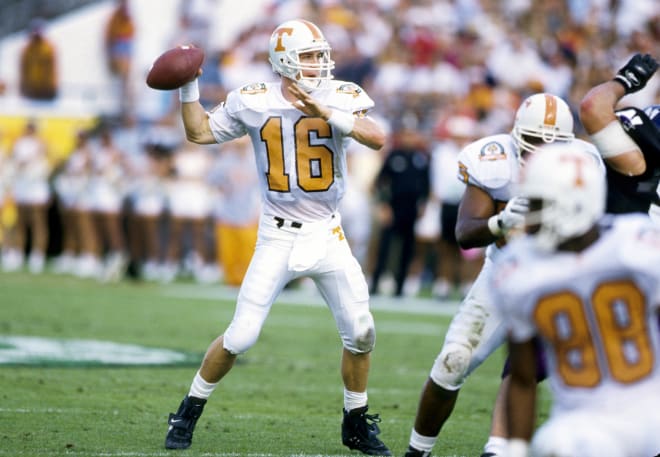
point(492, 151)
point(256, 88)
point(350, 89)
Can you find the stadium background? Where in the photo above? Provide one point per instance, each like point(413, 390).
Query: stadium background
point(423, 62)
point(70, 409)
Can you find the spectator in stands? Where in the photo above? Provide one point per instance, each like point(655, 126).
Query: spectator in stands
point(38, 65)
point(422, 267)
point(69, 183)
point(190, 204)
point(7, 207)
point(356, 216)
point(31, 193)
point(196, 21)
point(237, 210)
point(457, 268)
point(119, 43)
point(403, 187)
point(149, 175)
point(108, 189)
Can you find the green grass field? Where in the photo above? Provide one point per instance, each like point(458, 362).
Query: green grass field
point(283, 398)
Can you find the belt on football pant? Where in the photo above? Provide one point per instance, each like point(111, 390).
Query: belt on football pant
point(281, 222)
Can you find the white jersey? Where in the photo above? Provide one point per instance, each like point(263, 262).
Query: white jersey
point(595, 311)
point(491, 164)
point(300, 160)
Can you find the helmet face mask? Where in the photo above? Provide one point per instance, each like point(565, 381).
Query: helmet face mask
point(541, 119)
point(299, 51)
point(566, 190)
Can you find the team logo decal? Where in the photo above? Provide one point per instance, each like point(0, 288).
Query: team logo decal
point(349, 89)
point(256, 88)
point(492, 151)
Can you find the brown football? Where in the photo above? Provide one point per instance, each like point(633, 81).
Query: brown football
point(175, 67)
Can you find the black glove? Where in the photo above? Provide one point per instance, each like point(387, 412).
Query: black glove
point(636, 73)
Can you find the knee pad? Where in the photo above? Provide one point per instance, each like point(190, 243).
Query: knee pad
point(451, 365)
point(238, 338)
point(363, 335)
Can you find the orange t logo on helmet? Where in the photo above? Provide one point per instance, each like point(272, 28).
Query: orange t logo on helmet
point(279, 32)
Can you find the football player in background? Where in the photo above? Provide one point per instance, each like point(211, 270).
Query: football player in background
point(589, 287)
point(628, 139)
point(489, 212)
point(299, 129)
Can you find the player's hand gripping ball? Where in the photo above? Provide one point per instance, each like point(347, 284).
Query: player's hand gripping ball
point(175, 67)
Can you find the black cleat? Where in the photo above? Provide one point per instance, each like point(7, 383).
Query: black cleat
point(359, 430)
point(488, 454)
point(182, 424)
point(412, 452)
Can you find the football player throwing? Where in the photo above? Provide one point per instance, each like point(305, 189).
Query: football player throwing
point(299, 127)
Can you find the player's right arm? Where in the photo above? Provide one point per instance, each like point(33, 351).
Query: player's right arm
point(597, 116)
point(474, 211)
point(196, 123)
point(599, 120)
point(480, 221)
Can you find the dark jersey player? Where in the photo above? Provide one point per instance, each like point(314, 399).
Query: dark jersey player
point(628, 139)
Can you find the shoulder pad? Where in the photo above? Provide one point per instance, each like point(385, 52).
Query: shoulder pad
point(348, 96)
point(250, 96)
point(489, 162)
point(256, 88)
point(350, 89)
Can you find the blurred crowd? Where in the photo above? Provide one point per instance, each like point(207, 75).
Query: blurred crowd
point(134, 198)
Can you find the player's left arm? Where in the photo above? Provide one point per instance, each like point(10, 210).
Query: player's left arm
point(361, 128)
point(367, 132)
point(521, 395)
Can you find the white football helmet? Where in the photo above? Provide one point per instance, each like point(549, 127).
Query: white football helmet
point(292, 38)
point(541, 119)
point(566, 189)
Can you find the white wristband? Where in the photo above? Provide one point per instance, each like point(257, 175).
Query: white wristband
point(518, 447)
point(494, 225)
point(189, 92)
point(344, 122)
point(612, 140)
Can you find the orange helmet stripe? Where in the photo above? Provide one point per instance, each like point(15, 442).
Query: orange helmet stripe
point(550, 110)
point(316, 32)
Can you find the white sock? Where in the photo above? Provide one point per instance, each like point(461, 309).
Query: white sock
point(422, 443)
point(354, 400)
point(497, 445)
point(200, 388)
